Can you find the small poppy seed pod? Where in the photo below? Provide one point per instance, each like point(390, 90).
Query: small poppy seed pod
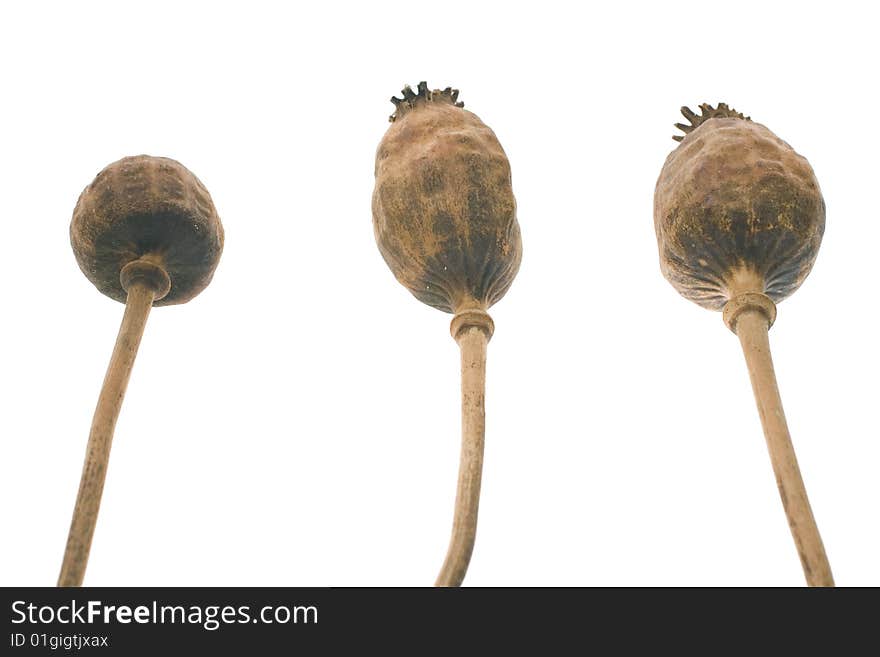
point(149, 208)
point(734, 201)
point(145, 232)
point(444, 217)
point(739, 218)
point(444, 214)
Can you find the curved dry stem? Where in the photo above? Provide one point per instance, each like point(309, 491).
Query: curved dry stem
point(91, 485)
point(473, 341)
point(752, 326)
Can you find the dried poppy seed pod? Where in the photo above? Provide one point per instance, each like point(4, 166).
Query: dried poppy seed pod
point(145, 232)
point(735, 205)
point(445, 222)
point(443, 208)
point(739, 218)
point(152, 208)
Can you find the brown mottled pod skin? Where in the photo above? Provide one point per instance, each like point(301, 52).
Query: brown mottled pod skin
point(734, 201)
point(444, 214)
point(150, 208)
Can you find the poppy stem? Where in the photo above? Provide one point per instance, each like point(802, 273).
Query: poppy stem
point(472, 330)
point(88, 500)
point(750, 317)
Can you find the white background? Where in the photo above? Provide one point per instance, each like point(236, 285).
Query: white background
point(297, 423)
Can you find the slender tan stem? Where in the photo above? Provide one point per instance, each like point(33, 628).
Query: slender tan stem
point(752, 325)
point(91, 485)
point(472, 339)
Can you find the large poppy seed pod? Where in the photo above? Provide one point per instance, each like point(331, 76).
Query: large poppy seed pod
point(146, 233)
point(734, 201)
point(739, 218)
point(152, 207)
point(445, 222)
point(444, 214)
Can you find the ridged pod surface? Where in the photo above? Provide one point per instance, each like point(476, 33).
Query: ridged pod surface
point(444, 214)
point(147, 206)
point(734, 198)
